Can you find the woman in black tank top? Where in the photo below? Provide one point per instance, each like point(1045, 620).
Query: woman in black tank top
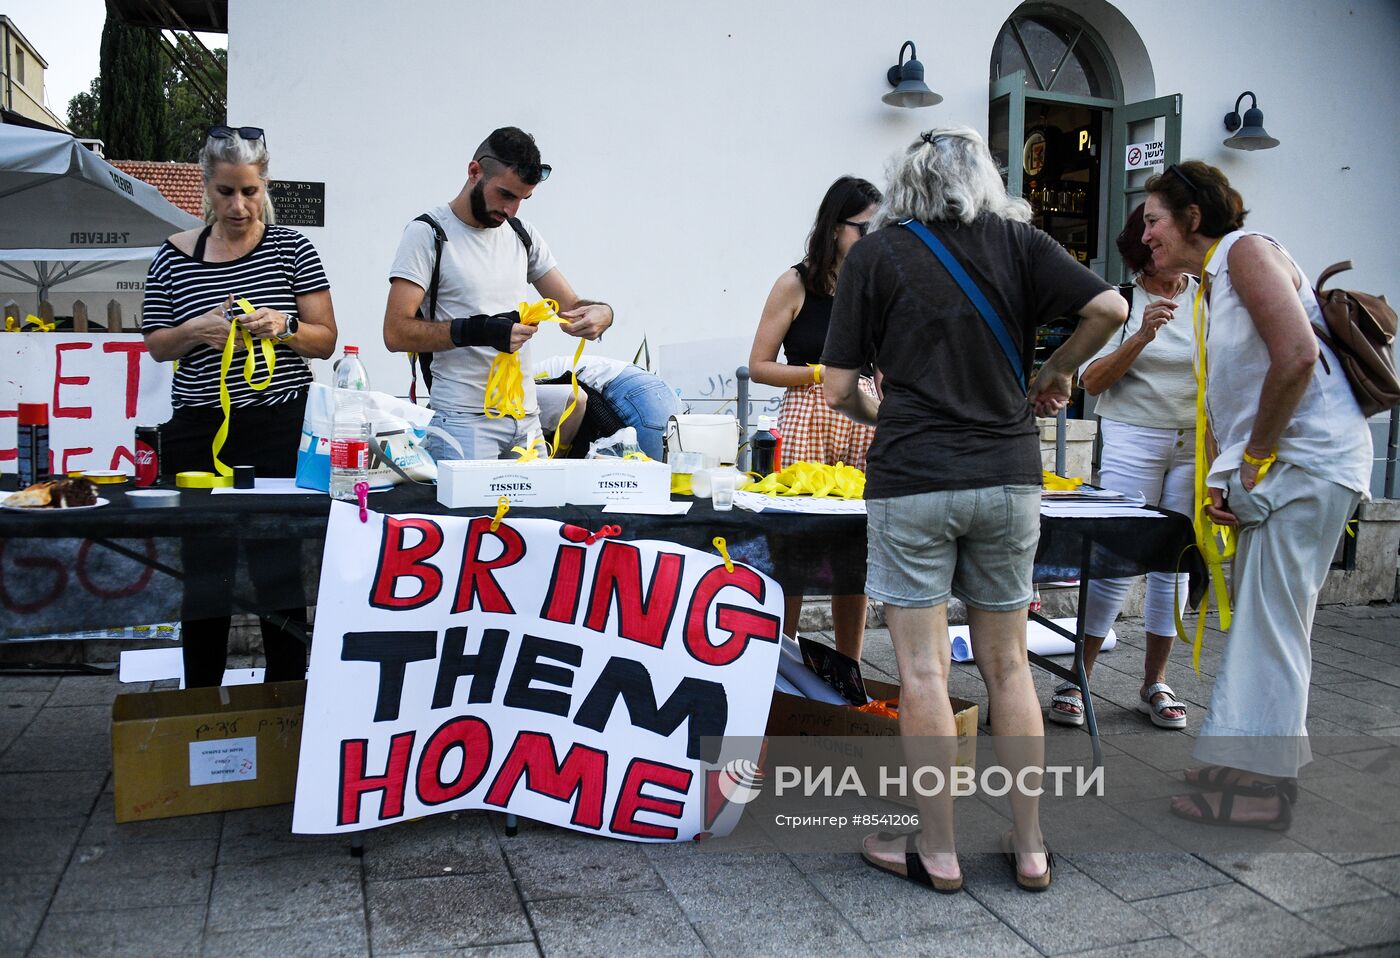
point(795, 318)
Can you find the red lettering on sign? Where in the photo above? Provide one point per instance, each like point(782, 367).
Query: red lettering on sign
point(473, 737)
point(565, 586)
point(68, 454)
point(133, 352)
point(397, 561)
point(742, 625)
point(61, 411)
point(119, 592)
point(643, 617)
point(477, 581)
point(355, 781)
point(631, 800)
point(60, 582)
point(581, 777)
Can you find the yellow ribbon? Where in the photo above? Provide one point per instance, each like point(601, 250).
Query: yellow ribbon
point(505, 385)
point(1050, 480)
point(530, 451)
point(1216, 542)
point(15, 325)
point(249, 364)
point(815, 479)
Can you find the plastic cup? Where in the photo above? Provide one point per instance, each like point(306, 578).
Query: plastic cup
point(722, 485)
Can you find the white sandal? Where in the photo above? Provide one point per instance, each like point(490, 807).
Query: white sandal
point(1067, 718)
point(1154, 710)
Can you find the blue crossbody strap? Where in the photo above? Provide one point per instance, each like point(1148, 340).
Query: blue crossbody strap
point(974, 295)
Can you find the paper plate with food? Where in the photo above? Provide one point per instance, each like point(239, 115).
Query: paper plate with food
point(52, 495)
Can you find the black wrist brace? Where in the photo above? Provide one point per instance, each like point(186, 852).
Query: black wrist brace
point(483, 330)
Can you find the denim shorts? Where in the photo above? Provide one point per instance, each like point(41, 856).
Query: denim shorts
point(977, 544)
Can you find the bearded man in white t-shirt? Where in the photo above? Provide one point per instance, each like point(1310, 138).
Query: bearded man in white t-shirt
point(482, 280)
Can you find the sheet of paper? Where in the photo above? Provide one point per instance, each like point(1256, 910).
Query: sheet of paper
point(648, 509)
point(272, 487)
point(757, 502)
point(1087, 510)
point(151, 665)
point(1039, 639)
point(223, 760)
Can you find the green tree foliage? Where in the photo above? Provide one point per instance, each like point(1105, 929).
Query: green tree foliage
point(185, 119)
point(188, 115)
point(131, 101)
point(83, 110)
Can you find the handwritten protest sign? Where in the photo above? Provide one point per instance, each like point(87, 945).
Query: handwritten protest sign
point(527, 669)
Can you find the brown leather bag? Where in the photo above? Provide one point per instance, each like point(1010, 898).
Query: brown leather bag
point(1361, 332)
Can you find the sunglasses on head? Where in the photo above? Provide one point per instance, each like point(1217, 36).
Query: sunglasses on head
point(229, 132)
point(861, 228)
point(1179, 174)
point(526, 172)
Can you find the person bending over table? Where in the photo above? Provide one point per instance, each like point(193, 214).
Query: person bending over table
point(1147, 412)
point(190, 288)
point(612, 395)
point(796, 317)
point(482, 281)
point(953, 491)
point(1292, 458)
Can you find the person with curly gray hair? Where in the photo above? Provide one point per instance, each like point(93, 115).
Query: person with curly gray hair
point(946, 292)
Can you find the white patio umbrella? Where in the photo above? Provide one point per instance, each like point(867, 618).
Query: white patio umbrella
point(65, 212)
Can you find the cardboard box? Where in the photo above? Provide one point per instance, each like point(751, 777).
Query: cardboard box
point(597, 482)
point(796, 715)
point(190, 751)
point(482, 482)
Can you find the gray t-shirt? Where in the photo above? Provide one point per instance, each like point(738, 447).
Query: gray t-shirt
point(954, 415)
point(1159, 388)
point(483, 271)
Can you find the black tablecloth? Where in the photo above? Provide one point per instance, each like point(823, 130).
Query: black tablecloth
point(120, 565)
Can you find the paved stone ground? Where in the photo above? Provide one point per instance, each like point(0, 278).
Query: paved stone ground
point(238, 883)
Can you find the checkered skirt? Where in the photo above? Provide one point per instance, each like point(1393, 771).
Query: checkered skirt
point(814, 432)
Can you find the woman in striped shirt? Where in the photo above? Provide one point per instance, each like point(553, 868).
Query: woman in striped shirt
point(191, 289)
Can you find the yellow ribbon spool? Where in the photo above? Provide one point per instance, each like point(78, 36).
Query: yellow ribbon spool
point(1216, 542)
point(249, 364)
point(202, 480)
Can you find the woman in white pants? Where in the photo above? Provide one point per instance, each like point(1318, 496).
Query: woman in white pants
point(1292, 458)
point(1147, 407)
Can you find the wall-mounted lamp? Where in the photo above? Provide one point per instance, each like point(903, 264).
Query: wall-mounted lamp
point(907, 78)
point(1251, 134)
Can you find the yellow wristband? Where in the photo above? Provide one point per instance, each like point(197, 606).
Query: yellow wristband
point(817, 373)
point(1261, 464)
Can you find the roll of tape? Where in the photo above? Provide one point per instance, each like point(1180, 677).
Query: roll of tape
point(201, 480)
point(106, 477)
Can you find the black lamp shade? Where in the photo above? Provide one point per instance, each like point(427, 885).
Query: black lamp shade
point(1250, 133)
point(909, 87)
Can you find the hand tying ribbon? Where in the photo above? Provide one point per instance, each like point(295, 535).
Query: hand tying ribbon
point(505, 385)
point(249, 364)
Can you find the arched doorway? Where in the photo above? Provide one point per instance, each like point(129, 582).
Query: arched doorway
point(1061, 132)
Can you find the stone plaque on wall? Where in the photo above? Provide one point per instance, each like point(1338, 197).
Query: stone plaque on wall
point(298, 203)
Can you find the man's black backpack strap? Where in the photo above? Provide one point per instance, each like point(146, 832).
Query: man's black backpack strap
point(522, 232)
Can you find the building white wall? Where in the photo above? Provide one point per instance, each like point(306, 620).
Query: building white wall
point(691, 143)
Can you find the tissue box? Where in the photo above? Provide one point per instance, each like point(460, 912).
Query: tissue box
point(481, 482)
point(597, 482)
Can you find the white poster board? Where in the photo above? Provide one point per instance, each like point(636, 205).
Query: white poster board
point(98, 388)
point(527, 670)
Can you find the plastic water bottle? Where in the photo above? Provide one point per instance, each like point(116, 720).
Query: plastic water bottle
point(350, 440)
point(764, 446)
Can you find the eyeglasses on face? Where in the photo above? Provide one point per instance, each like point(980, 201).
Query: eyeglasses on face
point(1181, 175)
point(229, 132)
point(861, 228)
point(537, 173)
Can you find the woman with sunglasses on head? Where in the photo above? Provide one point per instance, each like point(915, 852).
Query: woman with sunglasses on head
point(1289, 459)
point(1147, 410)
point(191, 313)
point(795, 318)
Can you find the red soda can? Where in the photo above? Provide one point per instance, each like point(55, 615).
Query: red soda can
point(147, 455)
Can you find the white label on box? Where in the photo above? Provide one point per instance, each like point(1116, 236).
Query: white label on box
point(224, 760)
point(481, 482)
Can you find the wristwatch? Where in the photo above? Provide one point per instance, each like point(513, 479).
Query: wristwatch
point(293, 325)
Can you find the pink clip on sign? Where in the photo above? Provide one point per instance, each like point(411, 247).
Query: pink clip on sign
point(362, 494)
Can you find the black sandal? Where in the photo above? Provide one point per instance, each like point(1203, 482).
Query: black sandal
point(1280, 823)
point(1216, 778)
point(914, 870)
